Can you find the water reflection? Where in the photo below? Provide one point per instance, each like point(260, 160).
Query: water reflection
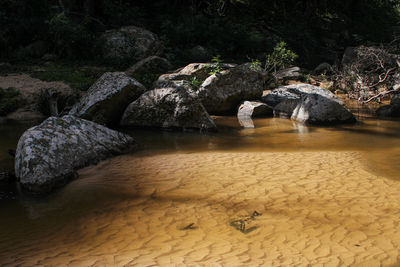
point(245, 122)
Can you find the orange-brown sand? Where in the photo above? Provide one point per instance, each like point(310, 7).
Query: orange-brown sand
point(317, 209)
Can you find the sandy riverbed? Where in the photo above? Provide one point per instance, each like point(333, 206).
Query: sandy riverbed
point(317, 208)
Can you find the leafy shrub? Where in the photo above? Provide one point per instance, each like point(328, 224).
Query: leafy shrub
point(196, 83)
point(280, 57)
point(215, 67)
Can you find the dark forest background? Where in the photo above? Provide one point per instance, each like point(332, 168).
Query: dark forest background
point(317, 30)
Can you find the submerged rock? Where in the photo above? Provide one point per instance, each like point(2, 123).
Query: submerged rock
point(106, 100)
point(221, 93)
point(49, 154)
point(295, 91)
point(176, 107)
point(317, 109)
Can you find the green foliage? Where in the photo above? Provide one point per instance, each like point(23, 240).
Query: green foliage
point(80, 78)
point(10, 100)
point(215, 67)
point(196, 82)
point(280, 57)
point(255, 64)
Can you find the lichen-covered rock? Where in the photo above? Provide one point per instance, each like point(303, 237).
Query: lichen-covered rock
point(317, 109)
point(253, 109)
point(295, 91)
point(174, 107)
point(49, 154)
point(128, 45)
point(106, 100)
point(221, 93)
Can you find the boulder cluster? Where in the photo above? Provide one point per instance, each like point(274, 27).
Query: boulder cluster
point(49, 154)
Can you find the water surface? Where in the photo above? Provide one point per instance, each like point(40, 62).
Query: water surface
point(325, 194)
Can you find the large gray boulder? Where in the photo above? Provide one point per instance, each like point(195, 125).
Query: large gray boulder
point(106, 100)
point(295, 91)
point(175, 107)
point(49, 154)
point(128, 45)
point(222, 93)
point(317, 109)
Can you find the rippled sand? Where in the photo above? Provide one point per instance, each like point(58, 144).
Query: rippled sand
point(317, 208)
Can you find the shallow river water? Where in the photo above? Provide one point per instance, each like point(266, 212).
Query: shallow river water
point(281, 194)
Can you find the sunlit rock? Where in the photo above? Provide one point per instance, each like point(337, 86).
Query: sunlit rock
point(295, 91)
point(254, 109)
point(317, 109)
